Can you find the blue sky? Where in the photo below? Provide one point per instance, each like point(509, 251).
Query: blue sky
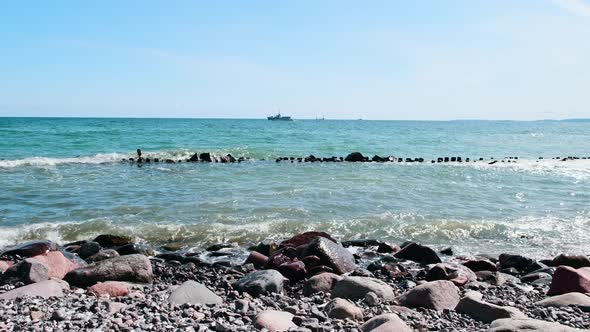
point(454, 59)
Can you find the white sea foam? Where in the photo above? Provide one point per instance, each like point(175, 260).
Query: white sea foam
point(101, 158)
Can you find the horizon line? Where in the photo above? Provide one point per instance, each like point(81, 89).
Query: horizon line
point(294, 119)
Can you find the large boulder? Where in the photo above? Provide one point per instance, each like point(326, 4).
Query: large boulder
point(473, 306)
point(261, 282)
point(27, 271)
point(385, 323)
point(323, 282)
point(438, 295)
point(331, 254)
point(418, 253)
point(134, 268)
point(58, 265)
point(567, 280)
point(44, 289)
point(303, 239)
point(575, 261)
point(342, 309)
point(528, 325)
point(564, 300)
point(30, 248)
point(274, 321)
point(458, 274)
point(355, 157)
point(356, 288)
point(109, 288)
point(194, 293)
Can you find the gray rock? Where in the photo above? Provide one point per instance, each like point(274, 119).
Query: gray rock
point(261, 282)
point(44, 289)
point(331, 254)
point(384, 323)
point(527, 325)
point(355, 288)
point(323, 282)
point(134, 268)
point(437, 295)
point(274, 321)
point(457, 273)
point(27, 271)
point(473, 306)
point(564, 300)
point(194, 293)
point(343, 309)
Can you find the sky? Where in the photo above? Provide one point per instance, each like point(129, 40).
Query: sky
point(392, 59)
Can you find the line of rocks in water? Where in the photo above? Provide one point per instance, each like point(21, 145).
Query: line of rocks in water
point(309, 282)
point(207, 157)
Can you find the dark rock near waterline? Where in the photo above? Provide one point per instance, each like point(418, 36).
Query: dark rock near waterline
point(304, 238)
point(294, 271)
point(136, 248)
point(355, 157)
point(386, 248)
point(30, 249)
point(205, 156)
point(331, 254)
point(171, 256)
point(133, 268)
point(447, 251)
point(418, 253)
point(102, 255)
point(575, 261)
point(88, 249)
point(458, 274)
point(361, 243)
point(477, 265)
point(27, 271)
point(518, 262)
point(110, 240)
point(261, 282)
point(194, 158)
point(256, 258)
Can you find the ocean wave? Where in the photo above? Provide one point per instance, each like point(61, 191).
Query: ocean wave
point(534, 236)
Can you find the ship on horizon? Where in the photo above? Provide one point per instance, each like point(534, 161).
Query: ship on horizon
point(279, 117)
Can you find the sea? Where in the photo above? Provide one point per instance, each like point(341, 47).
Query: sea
point(66, 179)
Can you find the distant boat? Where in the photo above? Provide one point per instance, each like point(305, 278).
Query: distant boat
point(318, 119)
point(279, 117)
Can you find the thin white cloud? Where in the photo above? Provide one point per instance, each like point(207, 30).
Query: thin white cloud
point(576, 7)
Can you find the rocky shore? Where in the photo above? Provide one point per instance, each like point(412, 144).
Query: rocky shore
point(310, 282)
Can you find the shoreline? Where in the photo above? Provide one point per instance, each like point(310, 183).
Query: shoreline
point(309, 282)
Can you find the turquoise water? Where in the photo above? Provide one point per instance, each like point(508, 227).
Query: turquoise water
point(63, 179)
